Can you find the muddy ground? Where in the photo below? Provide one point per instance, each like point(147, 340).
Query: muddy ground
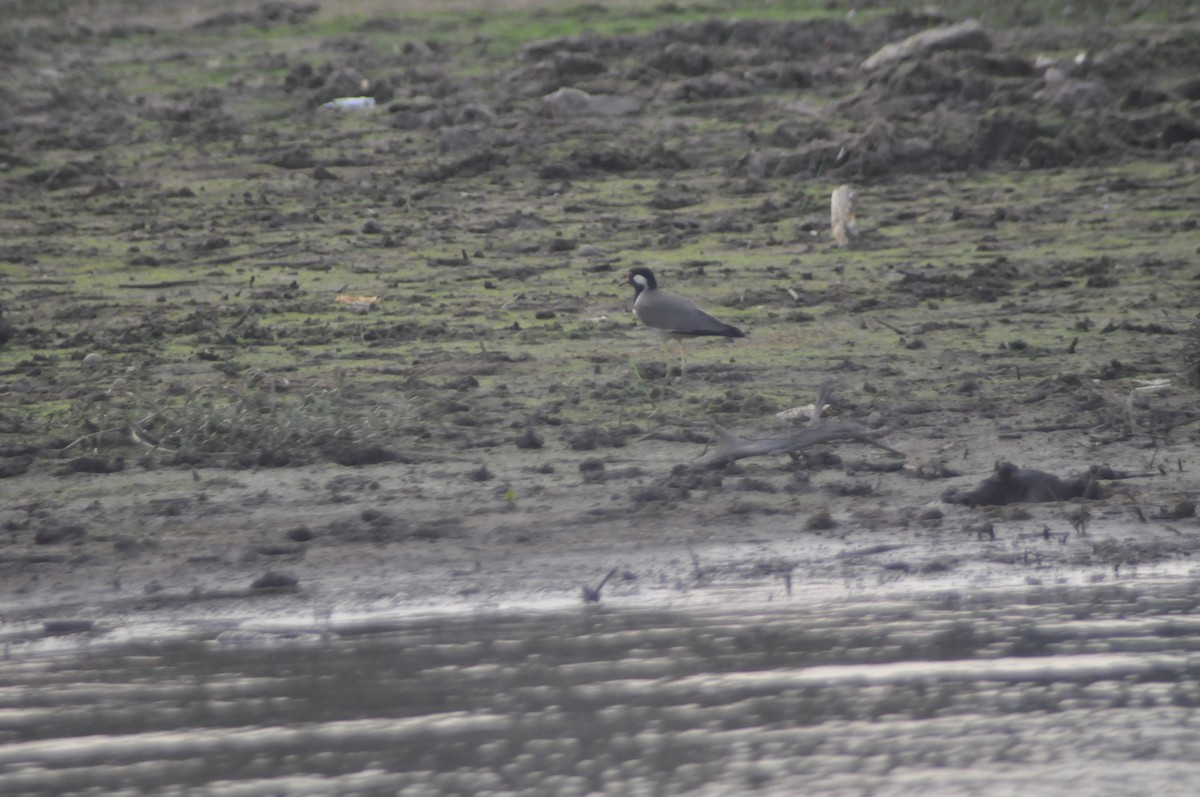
point(186, 406)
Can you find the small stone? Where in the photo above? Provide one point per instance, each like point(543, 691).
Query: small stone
point(875, 419)
point(931, 513)
point(92, 360)
point(372, 227)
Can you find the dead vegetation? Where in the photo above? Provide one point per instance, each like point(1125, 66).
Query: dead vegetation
point(254, 422)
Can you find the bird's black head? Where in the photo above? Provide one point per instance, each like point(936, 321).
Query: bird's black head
point(641, 279)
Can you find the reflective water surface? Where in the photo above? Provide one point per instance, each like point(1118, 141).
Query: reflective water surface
point(1091, 690)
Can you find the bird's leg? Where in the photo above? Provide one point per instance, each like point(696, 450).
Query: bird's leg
point(666, 354)
point(682, 360)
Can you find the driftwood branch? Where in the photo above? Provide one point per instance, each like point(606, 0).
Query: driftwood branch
point(730, 447)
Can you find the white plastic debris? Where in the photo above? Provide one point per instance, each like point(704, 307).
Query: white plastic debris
point(804, 413)
point(843, 209)
point(349, 103)
point(1149, 385)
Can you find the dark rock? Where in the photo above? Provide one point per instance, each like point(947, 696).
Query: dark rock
point(530, 439)
point(87, 464)
point(372, 454)
point(1011, 484)
point(1183, 509)
point(64, 627)
point(294, 158)
point(1141, 97)
point(562, 244)
point(572, 65)
point(692, 60)
point(594, 437)
point(1189, 89)
point(820, 521)
point(713, 87)
point(300, 534)
point(15, 466)
point(274, 579)
point(1179, 131)
point(52, 535)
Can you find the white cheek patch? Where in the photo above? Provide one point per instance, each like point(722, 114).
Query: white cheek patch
point(640, 281)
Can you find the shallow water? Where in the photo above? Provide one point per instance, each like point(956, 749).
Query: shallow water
point(1040, 691)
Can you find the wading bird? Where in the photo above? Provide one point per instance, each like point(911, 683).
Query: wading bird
point(673, 317)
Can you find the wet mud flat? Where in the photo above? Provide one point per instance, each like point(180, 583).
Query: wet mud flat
point(261, 359)
point(1090, 688)
point(251, 339)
